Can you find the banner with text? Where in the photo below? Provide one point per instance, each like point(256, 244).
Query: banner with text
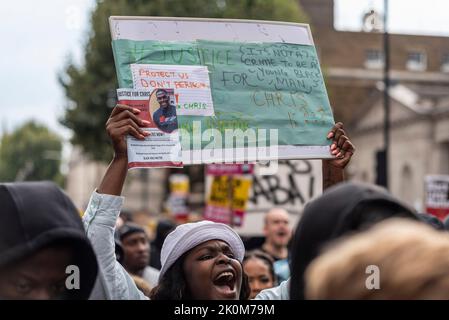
point(262, 94)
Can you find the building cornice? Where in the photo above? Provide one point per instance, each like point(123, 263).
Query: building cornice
point(377, 75)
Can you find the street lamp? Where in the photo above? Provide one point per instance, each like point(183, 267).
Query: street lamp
point(383, 155)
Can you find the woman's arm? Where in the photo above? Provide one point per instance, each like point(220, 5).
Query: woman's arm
point(123, 121)
point(105, 205)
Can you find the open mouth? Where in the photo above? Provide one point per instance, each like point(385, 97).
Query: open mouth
point(225, 283)
point(282, 234)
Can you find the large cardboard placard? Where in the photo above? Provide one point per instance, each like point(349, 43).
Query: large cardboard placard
point(268, 93)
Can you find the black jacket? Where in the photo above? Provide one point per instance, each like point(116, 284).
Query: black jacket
point(165, 118)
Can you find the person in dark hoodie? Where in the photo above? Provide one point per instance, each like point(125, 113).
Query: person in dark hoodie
point(342, 210)
point(42, 243)
point(164, 227)
point(397, 259)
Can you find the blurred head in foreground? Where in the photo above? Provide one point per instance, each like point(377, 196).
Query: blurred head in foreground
point(44, 251)
point(396, 259)
point(342, 210)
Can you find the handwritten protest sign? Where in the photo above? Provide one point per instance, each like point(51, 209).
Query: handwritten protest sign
point(193, 95)
point(264, 93)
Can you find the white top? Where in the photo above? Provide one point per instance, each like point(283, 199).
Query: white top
point(281, 292)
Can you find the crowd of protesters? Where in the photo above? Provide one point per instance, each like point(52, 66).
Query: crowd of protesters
point(349, 229)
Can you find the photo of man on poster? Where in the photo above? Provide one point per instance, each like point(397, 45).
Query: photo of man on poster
point(165, 116)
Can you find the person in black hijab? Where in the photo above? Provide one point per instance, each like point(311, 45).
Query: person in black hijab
point(164, 227)
point(342, 210)
point(42, 243)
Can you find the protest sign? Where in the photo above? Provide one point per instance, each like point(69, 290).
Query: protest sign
point(162, 147)
point(191, 83)
point(179, 192)
point(437, 195)
point(268, 95)
point(228, 187)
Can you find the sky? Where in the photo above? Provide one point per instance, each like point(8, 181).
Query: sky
point(405, 16)
point(38, 37)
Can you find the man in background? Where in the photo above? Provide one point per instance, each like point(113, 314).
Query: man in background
point(277, 233)
point(136, 248)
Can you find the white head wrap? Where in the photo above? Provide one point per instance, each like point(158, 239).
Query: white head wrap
point(189, 235)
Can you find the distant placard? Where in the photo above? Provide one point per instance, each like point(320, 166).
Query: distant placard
point(227, 191)
point(437, 195)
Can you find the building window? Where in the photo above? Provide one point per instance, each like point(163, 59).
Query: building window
point(374, 59)
point(445, 63)
point(416, 61)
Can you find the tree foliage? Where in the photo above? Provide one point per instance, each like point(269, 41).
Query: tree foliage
point(31, 152)
point(90, 88)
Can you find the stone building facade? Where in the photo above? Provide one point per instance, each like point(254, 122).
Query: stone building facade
point(419, 95)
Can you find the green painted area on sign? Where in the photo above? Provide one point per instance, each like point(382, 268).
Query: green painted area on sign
point(254, 85)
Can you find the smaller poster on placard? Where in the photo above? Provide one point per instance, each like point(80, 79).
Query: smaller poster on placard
point(162, 148)
point(190, 82)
